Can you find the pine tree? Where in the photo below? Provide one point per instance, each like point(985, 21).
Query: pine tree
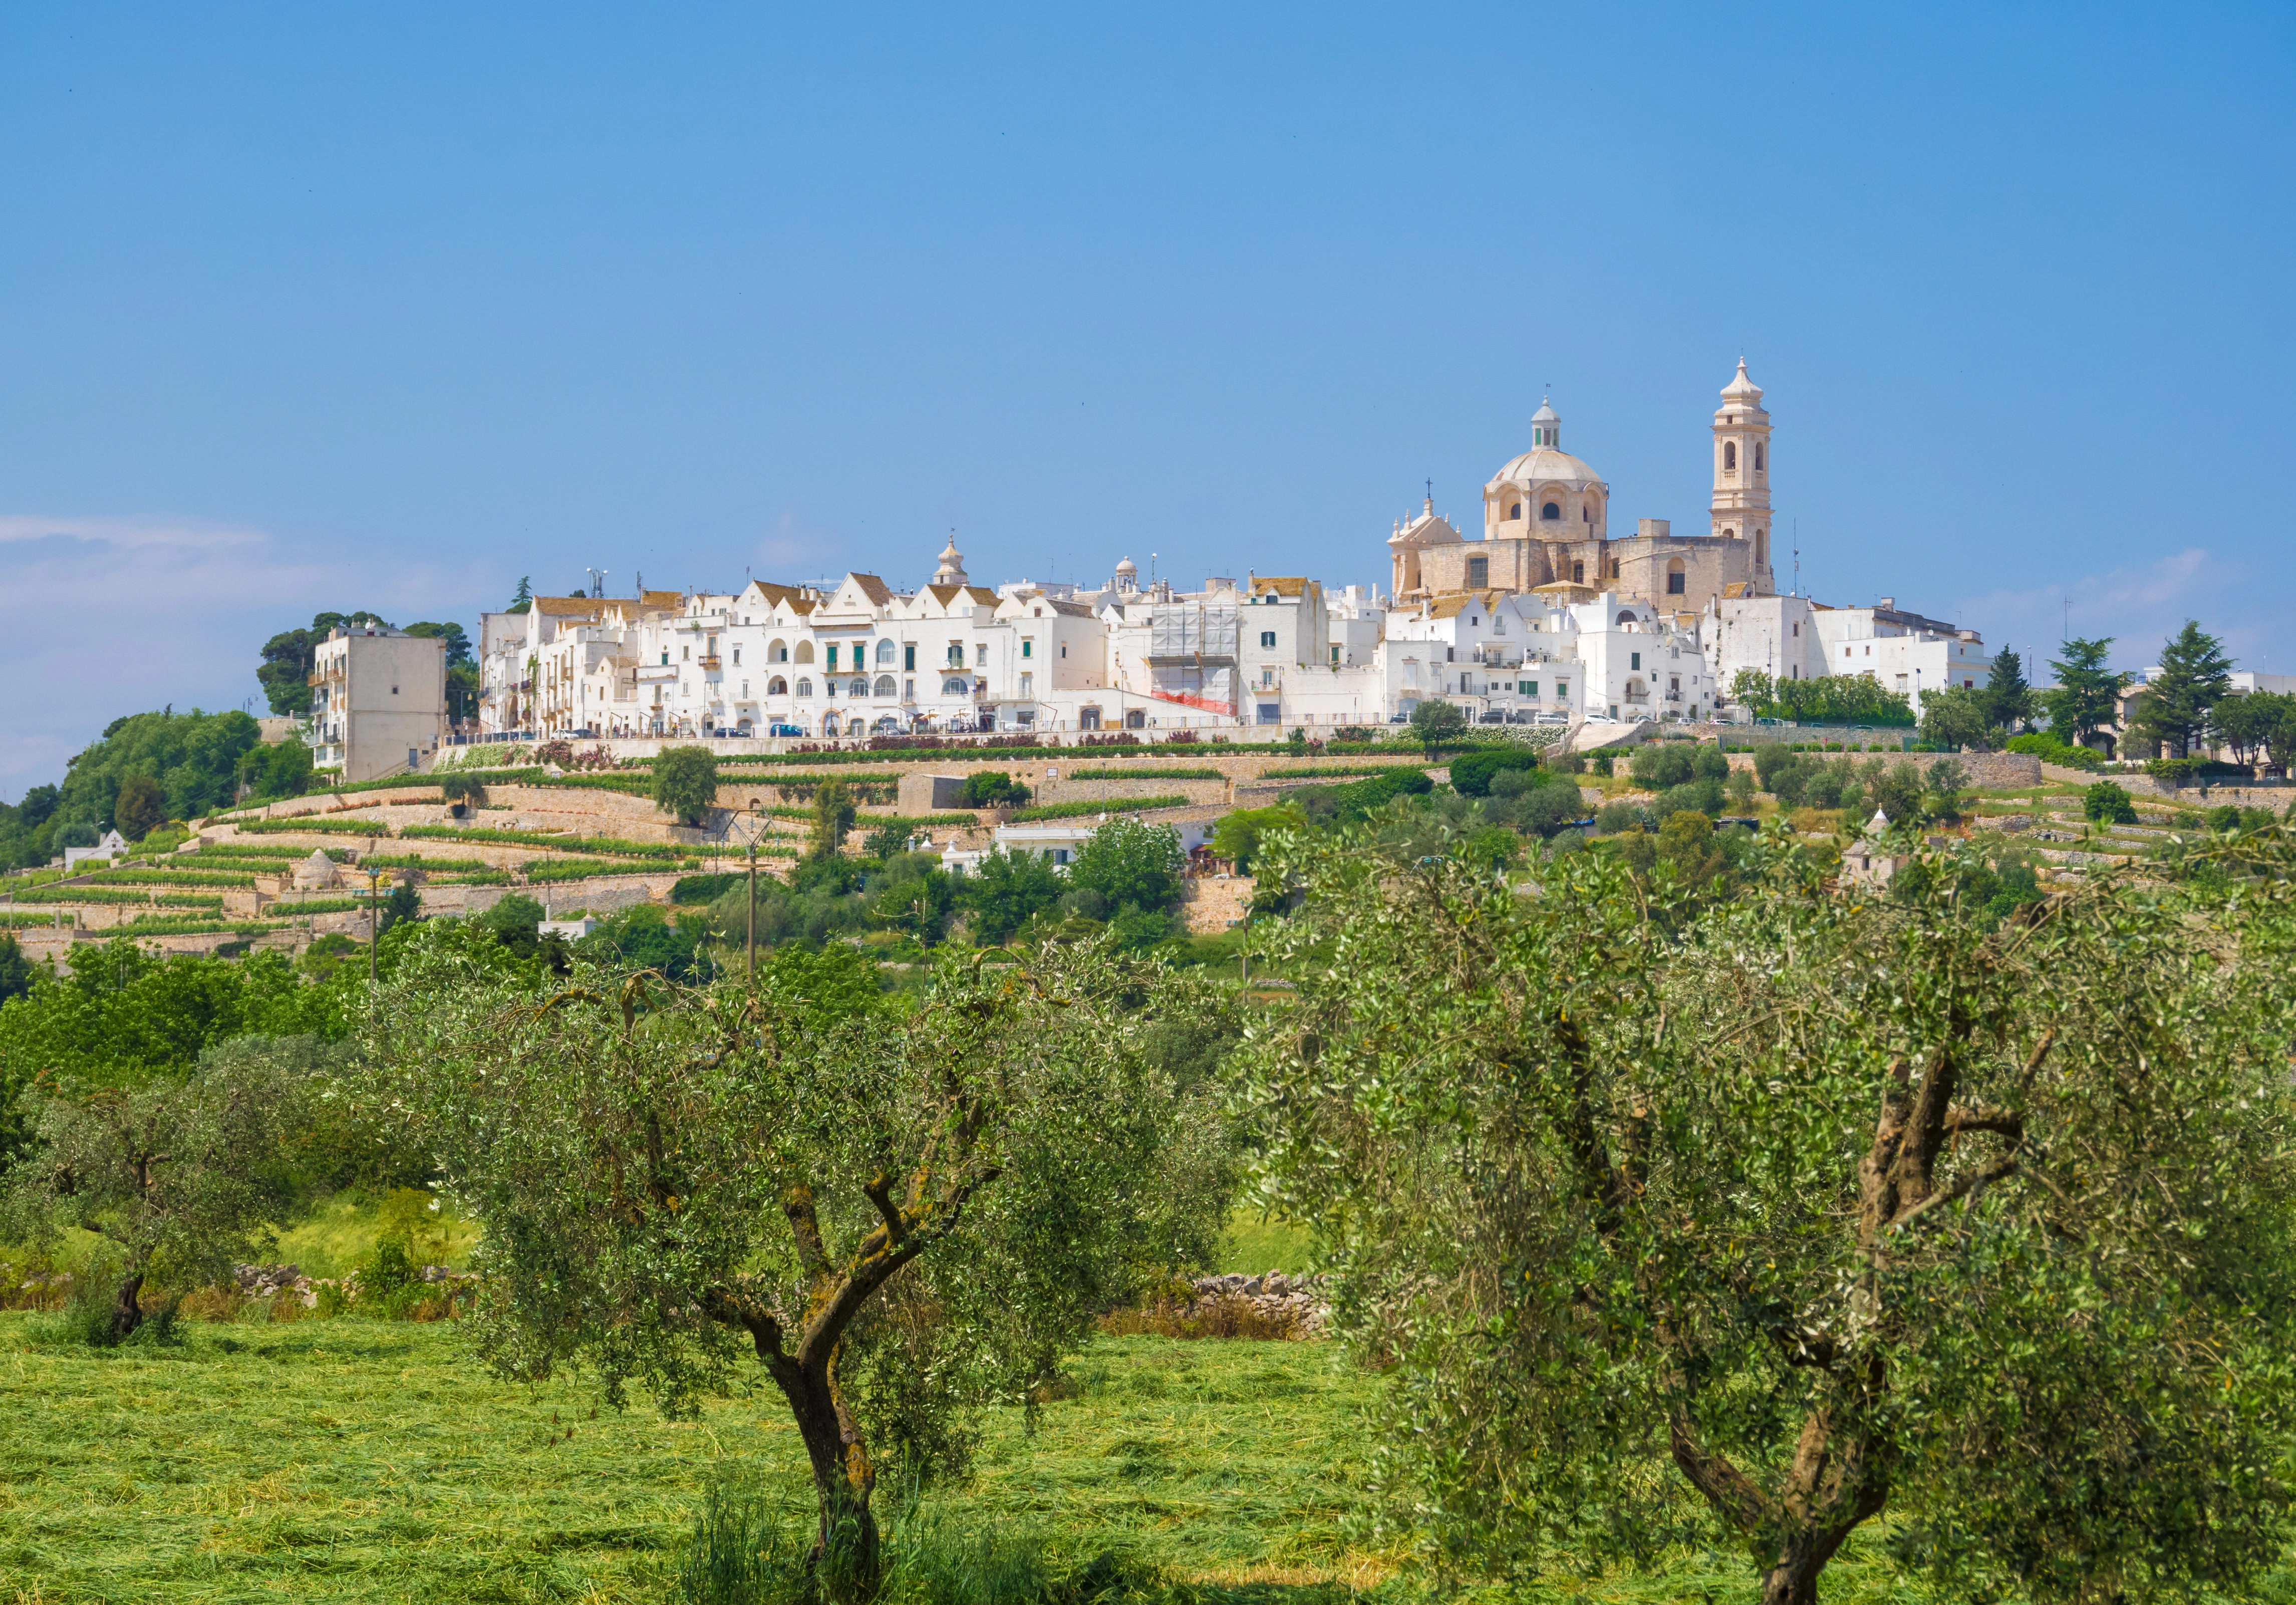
point(2088, 694)
point(2194, 676)
point(2007, 700)
point(524, 600)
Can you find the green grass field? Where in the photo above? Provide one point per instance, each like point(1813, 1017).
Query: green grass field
point(350, 1459)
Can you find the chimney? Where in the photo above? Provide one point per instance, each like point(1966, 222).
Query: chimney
point(1891, 603)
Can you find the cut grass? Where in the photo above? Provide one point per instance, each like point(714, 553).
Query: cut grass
point(352, 1459)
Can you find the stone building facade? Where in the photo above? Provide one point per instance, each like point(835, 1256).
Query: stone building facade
point(1547, 525)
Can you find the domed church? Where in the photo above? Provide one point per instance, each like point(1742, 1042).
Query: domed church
point(1546, 526)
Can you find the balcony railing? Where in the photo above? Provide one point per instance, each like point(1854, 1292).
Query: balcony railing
point(712, 663)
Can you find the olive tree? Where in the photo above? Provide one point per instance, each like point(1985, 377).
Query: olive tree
point(1834, 1205)
point(177, 1174)
point(672, 1180)
point(685, 783)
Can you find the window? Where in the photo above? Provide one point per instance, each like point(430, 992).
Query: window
point(909, 690)
point(1514, 509)
point(777, 687)
point(1271, 713)
point(1335, 657)
point(1729, 456)
point(1579, 574)
point(957, 654)
point(745, 690)
point(833, 657)
point(829, 724)
point(1615, 568)
point(1586, 513)
point(394, 691)
point(909, 659)
point(1550, 511)
point(885, 686)
point(1757, 456)
point(804, 686)
point(737, 657)
point(860, 688)
point(1675, 579)
point(685, 653)
point(1562, 688)
point(954, 686)
point(1635, 660)
point(1028, 685)
point(1027, 648)
point(1479, 573)
point(1526, 688)
point(1797, 628)
point(1268, 637)
point(1268, 678)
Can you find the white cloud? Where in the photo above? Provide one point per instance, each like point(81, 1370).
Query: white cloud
point(117, 615)
point(2139, 607)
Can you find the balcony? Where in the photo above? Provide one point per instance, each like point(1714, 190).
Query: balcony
point(710, 663)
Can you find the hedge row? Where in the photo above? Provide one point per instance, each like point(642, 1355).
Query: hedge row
point(1139, 774)
point(178, 878)
point(315, 823)
point(1114, 805)
point(611, 844)
point(104, 895)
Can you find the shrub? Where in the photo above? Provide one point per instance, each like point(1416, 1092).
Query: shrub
point(992, 788)
point(1472, 772)
point(2106, 803)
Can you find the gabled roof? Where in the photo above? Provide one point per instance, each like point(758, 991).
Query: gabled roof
point(661, 599)
point(1282, 585)
point(1735, 589)
point(876, 590)
point(570, 606)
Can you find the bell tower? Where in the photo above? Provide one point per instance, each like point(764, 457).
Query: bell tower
point(1742, 472)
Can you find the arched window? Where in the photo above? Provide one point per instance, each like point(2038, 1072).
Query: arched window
point(885, 686)
point(1757, 456)
point(860, 688)
point(1550, 511)
point(778, 652)
point(1675, 578)
point(1579, 574)
point(804, 686)
point(1729, 456)
point(1514, 509)
point(829, 724)
point(886, 653)
point(1627, 618)
point(805, 651)
point(1761, 548)
point(955, 685)
point(777, 687)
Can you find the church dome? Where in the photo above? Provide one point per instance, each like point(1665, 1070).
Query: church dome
point(1547, 465)
point(1546, 462)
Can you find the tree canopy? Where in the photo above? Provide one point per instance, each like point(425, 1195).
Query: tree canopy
point(685, 783)
point(891, 1213)
point(2194, 676)
point(1838, 1205)
point(2086, 696)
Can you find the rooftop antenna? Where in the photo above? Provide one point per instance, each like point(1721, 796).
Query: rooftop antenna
point(597, 582)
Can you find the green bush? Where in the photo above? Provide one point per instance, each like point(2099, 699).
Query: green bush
point(705, 888)
point(1471, 773)
point(2045, 745)
point(2106, 803)
point(685, 783)
point(992, 788)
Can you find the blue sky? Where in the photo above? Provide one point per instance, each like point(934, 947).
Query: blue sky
point(306, 307)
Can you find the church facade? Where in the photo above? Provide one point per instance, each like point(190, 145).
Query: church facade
point(1547, 527)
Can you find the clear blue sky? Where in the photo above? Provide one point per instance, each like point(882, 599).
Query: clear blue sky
point(311, 307)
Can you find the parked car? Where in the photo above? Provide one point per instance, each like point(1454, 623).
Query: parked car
point(1554, 718)
point(783, 730)
point(1494, 715)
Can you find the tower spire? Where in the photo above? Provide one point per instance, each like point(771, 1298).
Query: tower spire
point(1741, 508)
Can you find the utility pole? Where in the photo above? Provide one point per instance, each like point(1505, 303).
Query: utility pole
point(373, 932)
point(753, 916)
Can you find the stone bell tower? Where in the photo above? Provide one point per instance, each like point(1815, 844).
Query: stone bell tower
point(1741, 472)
